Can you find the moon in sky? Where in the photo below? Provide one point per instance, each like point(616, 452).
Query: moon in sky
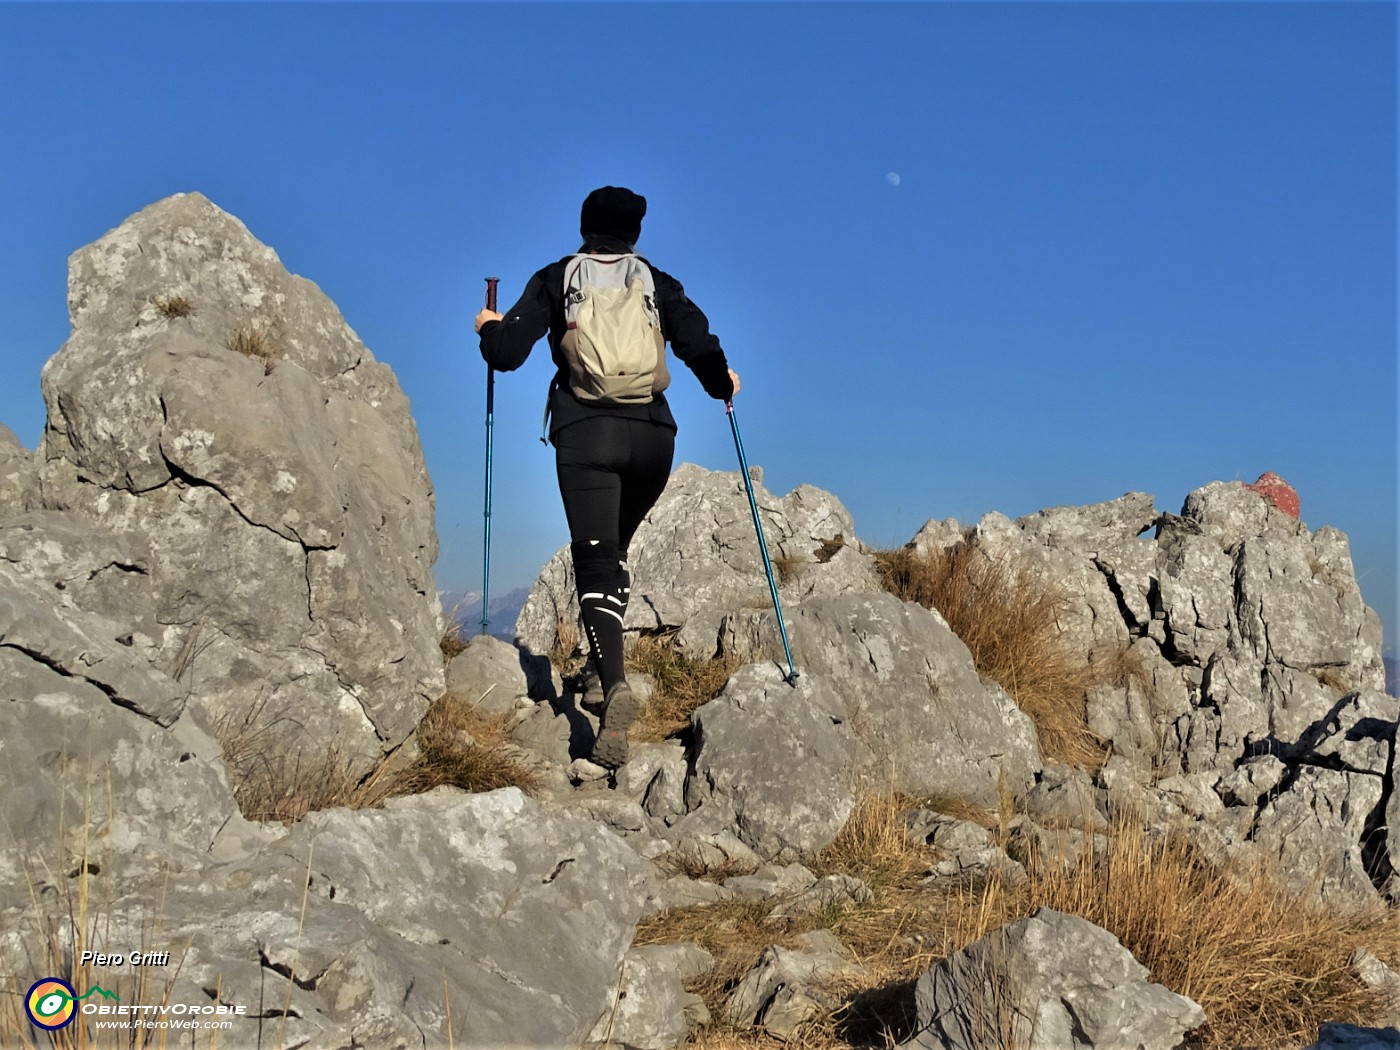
point(892, 178)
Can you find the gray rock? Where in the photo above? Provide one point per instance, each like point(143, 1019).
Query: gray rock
point(943, 832)
point(1382, 980)
point(1062, 847)
point(85, 777)
point(1357, 735)
point(768, 760)
point(967, 851)
point(491, 674)
point(560, 735)
point(780, 968)
point(915, 705)
point(1063, 546)
point(1225, 511)
point(975, 864)
point(788, 1010)
point(831, 892)
point(771, 880)
point(1252, 781)
point(1391, 826)
point(81, 566)
point(681, 891)
point(650, 1009)
point(510, 918)
point(936, 536)
point(1194, 794)
point(41, 635)
point(1064, 796)
point(285, 499)
point(1196, 580)
point(1050, 982)
point(1311, 834)
point(706, 840)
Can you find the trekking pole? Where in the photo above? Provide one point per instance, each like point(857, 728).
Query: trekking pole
point(791, 677)
point(490, 427)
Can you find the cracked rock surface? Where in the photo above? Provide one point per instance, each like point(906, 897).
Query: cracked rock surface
point(219, 408)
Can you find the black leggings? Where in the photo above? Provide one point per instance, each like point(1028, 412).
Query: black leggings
point(611, 472)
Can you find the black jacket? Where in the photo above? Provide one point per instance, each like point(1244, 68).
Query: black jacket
point(506, 344)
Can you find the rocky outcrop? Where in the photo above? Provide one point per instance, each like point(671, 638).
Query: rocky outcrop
point(695, 558)
point(220, 412)
point(1241, 626)
point(921, 716)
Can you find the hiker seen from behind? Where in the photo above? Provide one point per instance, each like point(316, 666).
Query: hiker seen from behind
point(609, 315)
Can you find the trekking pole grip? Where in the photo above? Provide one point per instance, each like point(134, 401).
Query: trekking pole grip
point(491, 283)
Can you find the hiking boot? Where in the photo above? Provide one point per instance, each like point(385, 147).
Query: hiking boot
point(619, 712)
point(590, 688)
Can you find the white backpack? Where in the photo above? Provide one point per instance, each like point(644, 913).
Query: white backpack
point(613, 341)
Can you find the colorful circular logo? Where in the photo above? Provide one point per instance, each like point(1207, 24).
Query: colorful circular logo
point(51, 1003)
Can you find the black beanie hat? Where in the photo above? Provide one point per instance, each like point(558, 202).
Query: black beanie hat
point(612, 211)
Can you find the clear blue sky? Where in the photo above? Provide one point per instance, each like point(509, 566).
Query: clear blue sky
point(966, 257)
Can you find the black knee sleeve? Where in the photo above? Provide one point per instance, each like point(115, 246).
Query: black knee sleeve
point(602, 585)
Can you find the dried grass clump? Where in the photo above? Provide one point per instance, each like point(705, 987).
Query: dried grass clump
point(1008, 617)
point(457, 746)
point(252, 340)
point(173, 306)
point(566, 654)
point(681, 684)
point(272, 782)
point(462, 747)
point(454, 641)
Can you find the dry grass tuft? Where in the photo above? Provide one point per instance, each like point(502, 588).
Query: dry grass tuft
point(681, 684)
point(172, 306)
point(1009, 619)
point(1332, 678)
point(460, 746)
point(252, 340)
point(566, 654)
point(454, 641)
point(457, 746)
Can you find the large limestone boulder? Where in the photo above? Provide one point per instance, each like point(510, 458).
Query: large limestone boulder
point(221, 410)
point(771, 762)
point(696, 558)
point(920, 717)
point(483, 920)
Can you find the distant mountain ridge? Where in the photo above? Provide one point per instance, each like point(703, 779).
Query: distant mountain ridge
point(465, 609)
point(1392, 675)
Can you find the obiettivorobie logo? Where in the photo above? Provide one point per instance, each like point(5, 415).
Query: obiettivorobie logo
point(51, 1002)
